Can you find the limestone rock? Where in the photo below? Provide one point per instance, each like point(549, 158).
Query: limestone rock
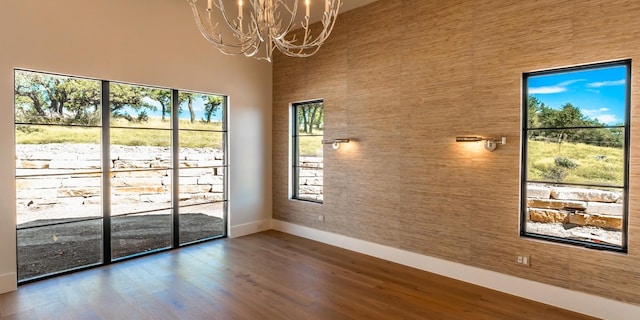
point(78, 192)
point(195, 188)
point(135, 182)
point(556, 204)
point(610, 222)
point(310, 190)
point(156, 198)
point(311, 181)
point(584, 194)
point(81, 182)
point(38, 183)
point(538, 192)
point(31, 164)
point(210, 180)
point(210, 163)
point(606, 209)
point(310, 173)
point(548, 215)
point(139, 190)
point(65, 164)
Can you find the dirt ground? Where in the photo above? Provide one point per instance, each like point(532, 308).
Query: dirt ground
point(51, 249)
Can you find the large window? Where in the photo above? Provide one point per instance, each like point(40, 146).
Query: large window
point(575, 155)
point(97, 184)
point(307, 170)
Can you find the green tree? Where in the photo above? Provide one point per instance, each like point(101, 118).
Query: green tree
point(42, 98)
point(310, 117)
point(163, 97)
point(586, 130)
point(29, 96)
point(567, 116)
point(124, 96)
point(189, 98)
point(211, 106)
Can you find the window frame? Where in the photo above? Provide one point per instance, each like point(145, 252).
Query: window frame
point(295, 151)
point(623, 248)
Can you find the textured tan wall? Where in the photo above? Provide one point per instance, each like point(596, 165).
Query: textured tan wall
point(403, 78)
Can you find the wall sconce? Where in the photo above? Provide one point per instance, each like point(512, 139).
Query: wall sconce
point(489, 143)
point(335, 143)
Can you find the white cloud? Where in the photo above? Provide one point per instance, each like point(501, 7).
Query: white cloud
point(569, 82)
point(607, 118)
point(590, 112)
point(600, 84)
point(547, 90)
point(560, 87)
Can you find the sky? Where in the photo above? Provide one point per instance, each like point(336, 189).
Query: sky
point(198, 108)
point(599, 93)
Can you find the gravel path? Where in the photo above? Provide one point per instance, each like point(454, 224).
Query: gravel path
point(578, 232)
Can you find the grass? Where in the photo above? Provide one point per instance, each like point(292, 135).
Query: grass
point(131, 134)
point(310, 146)
point(595, 165)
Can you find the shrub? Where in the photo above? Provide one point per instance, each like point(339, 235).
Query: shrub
point(556, 173)
point(27, 129)
point(565, 162)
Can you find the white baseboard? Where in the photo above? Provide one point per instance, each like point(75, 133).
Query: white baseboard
point(560, 297)
point(249, 228)
point(8, 282)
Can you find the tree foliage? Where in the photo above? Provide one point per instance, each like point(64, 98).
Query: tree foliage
point(50, 99)
point(568, 124)
point(189, 98)
point(123, 98)
point(310, 117)
point(211, 106)
point(162, 97)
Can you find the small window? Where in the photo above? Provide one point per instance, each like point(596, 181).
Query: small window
point(575, 155)
point(307, 170)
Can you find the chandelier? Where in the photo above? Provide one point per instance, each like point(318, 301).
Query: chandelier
point(265, 25)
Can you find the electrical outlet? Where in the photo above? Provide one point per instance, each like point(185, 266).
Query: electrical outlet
point(523, 261)
point(321, 217)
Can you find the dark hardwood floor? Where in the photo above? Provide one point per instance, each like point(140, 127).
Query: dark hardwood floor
point(270, 275)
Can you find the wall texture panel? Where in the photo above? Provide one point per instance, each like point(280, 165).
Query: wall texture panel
point(403, 79)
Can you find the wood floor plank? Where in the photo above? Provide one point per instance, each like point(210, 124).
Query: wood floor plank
point(270, 275)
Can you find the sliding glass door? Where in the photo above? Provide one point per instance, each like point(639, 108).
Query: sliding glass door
point(58, 173)
point(98, 184)
point(202, 166)
point(141, 177)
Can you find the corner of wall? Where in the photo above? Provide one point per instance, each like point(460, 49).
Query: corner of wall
point(249, 228)
point(8, 282)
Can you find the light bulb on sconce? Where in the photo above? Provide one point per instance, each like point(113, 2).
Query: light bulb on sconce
point(489, 143)
point(335, 143)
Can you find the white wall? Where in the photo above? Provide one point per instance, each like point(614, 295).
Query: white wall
point(153, 42)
